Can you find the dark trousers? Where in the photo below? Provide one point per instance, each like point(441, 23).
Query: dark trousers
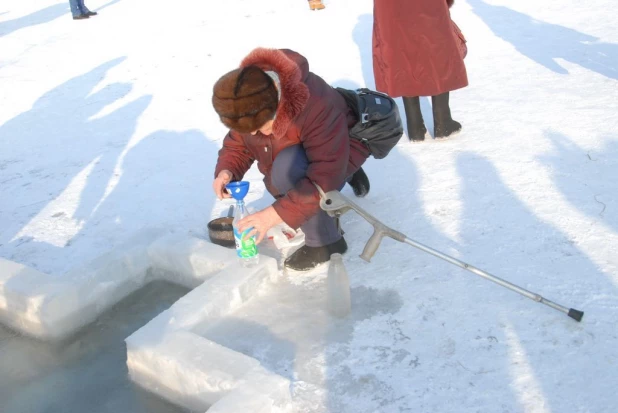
point(289, 167)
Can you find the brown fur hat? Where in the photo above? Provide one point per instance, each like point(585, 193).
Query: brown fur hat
point(245, 99)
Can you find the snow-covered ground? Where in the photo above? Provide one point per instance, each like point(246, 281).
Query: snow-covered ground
point(106, 128)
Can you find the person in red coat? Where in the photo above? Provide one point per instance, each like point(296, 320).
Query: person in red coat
point(418, 51)
point(296, 127)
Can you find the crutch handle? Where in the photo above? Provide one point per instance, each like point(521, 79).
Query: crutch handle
point(372, 245)
point(335, 204)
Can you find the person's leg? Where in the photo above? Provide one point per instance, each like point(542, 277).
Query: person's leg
point(75, 9)
point(444, 125)
point(85, 9)
point(289, 167)
point(414, 118)
point(82, 7)
point(322, 234)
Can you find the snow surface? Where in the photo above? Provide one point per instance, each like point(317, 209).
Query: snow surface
point(106, 128)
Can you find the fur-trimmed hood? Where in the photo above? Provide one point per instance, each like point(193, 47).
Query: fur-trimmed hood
point(292, 69)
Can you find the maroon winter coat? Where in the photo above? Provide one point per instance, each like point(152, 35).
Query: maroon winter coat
point(415, 50)
point(310, 113)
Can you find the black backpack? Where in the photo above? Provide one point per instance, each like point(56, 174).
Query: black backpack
point(379, 124)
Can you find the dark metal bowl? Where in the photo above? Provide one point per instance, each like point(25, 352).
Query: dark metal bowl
point(220, 232)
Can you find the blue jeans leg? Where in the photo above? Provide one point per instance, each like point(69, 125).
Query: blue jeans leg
point(83, 7)
point(289, 167)
point(75, 7)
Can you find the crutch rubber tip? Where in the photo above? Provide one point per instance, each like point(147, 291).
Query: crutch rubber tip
point(576, 314)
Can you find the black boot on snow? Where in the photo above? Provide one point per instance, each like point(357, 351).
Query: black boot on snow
point(414, 118)
point(359, 183)
point(306, 258)
point(444, 125)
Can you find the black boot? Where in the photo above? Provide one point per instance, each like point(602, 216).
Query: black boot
point(80, 17)
point(444, 125)
point(359, 183)
point(414, 117)
point(306, 258)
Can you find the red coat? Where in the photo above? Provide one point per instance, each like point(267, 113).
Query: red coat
point(310, 113)
point(415, 49)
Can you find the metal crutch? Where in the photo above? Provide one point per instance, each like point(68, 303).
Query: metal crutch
point(336, 204)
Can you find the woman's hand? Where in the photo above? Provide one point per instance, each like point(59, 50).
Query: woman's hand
point(261, 222)
point(219, 183)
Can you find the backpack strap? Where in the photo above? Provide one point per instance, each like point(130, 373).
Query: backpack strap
point(351, 98)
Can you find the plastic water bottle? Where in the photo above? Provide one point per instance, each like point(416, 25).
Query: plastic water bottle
point(338, 288)
point(246, 248)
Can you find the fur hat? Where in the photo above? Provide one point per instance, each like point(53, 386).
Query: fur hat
point(245, 99)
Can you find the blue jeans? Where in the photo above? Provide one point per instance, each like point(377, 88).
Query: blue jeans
point(289, 167)
point(78, 7)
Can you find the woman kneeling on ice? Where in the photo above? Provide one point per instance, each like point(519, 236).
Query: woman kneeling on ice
point(295, 126)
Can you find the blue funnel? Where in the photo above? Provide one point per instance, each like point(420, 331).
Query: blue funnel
point(238, 189)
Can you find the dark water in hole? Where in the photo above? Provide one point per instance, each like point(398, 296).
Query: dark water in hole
point(86, 373)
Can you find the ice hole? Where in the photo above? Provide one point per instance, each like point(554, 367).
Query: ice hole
point(161, 352)
point(86, 372)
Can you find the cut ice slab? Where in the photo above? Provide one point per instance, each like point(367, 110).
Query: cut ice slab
point(288, 329)
point(52, 308)
point(168, 358)
point(165, 356)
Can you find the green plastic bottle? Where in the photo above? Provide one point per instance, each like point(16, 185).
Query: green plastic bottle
point(246, 248)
